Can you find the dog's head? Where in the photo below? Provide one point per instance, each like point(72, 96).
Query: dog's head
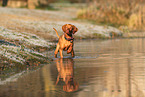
point(69, 29)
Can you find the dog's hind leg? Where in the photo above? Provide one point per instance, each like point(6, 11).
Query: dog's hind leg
point(56, 51)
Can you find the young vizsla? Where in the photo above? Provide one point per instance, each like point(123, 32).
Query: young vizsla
point(65, 41)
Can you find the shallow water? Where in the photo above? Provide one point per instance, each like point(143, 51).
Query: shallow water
point(108, 68)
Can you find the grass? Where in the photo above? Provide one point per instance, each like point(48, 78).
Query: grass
point(68, 5)
point(25, 39)
point(99, 36)
point(19, 56)
point(24, 53)
point(112, 16)
point(9, 68)
point(95, 22)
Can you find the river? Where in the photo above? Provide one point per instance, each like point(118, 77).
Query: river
point(101, 68)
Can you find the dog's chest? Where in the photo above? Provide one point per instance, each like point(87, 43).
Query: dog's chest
point(67, 43)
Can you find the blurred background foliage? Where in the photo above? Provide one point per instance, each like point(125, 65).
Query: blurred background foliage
point(117, 13)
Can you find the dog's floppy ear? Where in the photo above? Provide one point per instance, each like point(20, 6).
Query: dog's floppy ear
point(75, 29)
point(64, 28)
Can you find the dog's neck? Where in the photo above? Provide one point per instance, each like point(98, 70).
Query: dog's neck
point(68, 37)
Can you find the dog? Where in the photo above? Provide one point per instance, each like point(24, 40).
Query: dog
point(65, 68)
point(65, 41)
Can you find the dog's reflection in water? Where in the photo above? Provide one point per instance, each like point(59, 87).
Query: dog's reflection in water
point(65, 69)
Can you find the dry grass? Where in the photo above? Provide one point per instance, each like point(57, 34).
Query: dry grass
point(114, 15)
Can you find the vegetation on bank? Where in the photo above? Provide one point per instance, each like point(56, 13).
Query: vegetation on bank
point(116, 13)
point(21, 49)
point(20, 52)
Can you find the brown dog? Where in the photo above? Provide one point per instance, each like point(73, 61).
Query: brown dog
point(65, 41)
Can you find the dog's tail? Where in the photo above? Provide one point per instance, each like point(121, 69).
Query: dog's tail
point(56, 32)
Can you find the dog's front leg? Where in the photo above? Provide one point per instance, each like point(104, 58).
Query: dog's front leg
point(60, 51)
point(70, 48)
point(72, 53)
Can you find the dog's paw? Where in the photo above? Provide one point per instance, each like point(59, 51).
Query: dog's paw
point(55, 56)
point(73, 56)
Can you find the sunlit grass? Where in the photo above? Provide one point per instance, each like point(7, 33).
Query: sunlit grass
point(113, 16)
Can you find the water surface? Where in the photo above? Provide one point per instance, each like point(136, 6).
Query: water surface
point(101, 68)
